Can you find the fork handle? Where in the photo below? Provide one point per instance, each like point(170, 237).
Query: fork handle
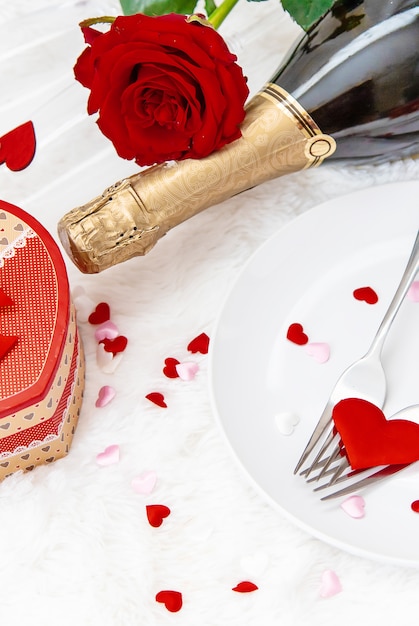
point(409, 274)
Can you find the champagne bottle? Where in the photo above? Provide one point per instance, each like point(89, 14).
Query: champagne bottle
point(349, 90)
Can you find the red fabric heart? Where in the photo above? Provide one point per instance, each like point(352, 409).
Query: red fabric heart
point(6, 344)
point(157, 398)
point(169, 369)
point(101, 314)
point(5, 300)
point(17, 147)
point(199, 344)
point(172, 600)
point(366, 294)
point(297, 335)
point(156, 513)
point(370, 439)
point(245, 587)
point(115, 345)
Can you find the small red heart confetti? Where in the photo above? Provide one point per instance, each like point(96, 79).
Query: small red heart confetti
point(169, 369)
point(17, 147)
point(245, 587)
point(101, 314)
point(296, 334)
point(366, 294)
point(5, 300)
point(199, 344)
point(415, 506)
point(370, 439)
point(156, 513)
point(115, 345)
point(172, 600)
point(157, 398)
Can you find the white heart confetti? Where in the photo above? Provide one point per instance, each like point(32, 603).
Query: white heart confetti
point(286, 422)
point(106, 361)
point(254, 564)
point(83, 304)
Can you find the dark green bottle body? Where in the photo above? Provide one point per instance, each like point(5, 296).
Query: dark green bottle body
point(356, 72)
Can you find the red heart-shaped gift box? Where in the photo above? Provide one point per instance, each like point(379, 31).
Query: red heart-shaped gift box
point(42, 372)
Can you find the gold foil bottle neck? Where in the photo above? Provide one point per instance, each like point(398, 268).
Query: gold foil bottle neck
point(278, 138)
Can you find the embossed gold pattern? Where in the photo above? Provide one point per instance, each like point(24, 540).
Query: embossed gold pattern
point(278, 138)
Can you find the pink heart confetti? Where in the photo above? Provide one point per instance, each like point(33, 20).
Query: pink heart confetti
point(286, 422)
point(144, 483)
point(187, 370)
point(413, 293)
point(354, 506)
point(107, 330)
point(106, 394)
point(109, 456)
point(319, 351)
point(330, 584)
point(106, 361)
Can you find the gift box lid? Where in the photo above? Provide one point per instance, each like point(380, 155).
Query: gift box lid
point(35, 311)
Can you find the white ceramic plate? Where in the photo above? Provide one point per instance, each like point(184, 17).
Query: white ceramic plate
point(307, 273)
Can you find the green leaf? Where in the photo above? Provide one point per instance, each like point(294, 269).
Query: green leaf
point(210, 6)
point(158, 7)
point(307, 12)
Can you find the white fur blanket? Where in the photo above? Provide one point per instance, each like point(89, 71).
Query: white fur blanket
point(76, 547)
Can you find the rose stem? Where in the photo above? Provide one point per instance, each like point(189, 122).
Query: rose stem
point(220, 13)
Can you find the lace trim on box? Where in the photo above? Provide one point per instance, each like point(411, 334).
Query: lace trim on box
point(9, 251)
point(50, 437)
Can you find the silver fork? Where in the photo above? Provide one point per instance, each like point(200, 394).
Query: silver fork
point(363, 379)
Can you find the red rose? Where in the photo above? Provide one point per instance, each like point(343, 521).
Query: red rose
point(165, 88)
